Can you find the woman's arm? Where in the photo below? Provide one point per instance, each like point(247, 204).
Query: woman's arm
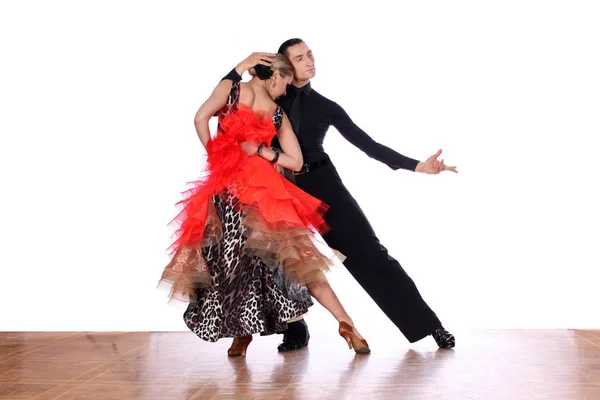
point(215, 102)
point(291, 157)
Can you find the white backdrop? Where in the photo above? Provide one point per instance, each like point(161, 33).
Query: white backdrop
point(97, 101)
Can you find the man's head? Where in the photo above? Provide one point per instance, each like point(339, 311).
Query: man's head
point(301, 57)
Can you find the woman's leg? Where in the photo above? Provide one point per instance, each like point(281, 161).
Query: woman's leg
point(322, 291)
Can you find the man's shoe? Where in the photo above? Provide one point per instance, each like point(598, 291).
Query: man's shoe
point(285, 347)
point(295, 337)
point(443, 338)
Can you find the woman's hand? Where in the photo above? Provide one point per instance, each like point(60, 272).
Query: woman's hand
point(253, 59)
point(250, 147)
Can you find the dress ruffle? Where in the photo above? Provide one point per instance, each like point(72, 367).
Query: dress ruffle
point(282, 218)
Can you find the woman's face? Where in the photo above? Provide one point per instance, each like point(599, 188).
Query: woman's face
point(278, 85)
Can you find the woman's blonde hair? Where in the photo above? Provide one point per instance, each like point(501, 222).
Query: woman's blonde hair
point(280, 63)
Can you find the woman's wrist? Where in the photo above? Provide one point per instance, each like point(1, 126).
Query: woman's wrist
point(260, 149)
point(276, 150)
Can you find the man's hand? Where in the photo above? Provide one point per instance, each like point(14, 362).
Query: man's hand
point(253, 59)
point(433, 166)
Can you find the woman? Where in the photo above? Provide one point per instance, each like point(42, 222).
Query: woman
point(245, 254)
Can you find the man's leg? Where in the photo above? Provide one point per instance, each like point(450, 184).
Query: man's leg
point(382, 277)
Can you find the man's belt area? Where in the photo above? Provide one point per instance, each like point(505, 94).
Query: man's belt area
point(312, 166)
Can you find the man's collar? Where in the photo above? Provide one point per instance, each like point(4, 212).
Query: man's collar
point(306, 89)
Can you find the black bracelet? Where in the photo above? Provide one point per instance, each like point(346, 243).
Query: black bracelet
point(276, 150)
point(259, 150)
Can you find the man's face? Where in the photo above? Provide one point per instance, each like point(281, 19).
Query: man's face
point(303, 61)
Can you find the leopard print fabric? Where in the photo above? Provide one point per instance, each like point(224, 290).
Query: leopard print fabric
point(278, 117)
point(246, 296)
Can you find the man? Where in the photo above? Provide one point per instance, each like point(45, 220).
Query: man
point(382, 277)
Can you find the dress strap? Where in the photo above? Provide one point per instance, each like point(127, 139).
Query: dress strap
point(278, 117)
point(234, 94)
point(231, 105)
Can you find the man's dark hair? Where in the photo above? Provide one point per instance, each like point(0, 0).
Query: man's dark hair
point(289, 43)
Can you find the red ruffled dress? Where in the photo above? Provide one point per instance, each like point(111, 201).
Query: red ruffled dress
point(245, 243)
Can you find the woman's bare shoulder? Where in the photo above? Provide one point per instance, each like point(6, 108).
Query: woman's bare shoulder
point(247, 94)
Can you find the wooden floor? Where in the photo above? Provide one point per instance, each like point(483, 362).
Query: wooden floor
point(497, 364)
